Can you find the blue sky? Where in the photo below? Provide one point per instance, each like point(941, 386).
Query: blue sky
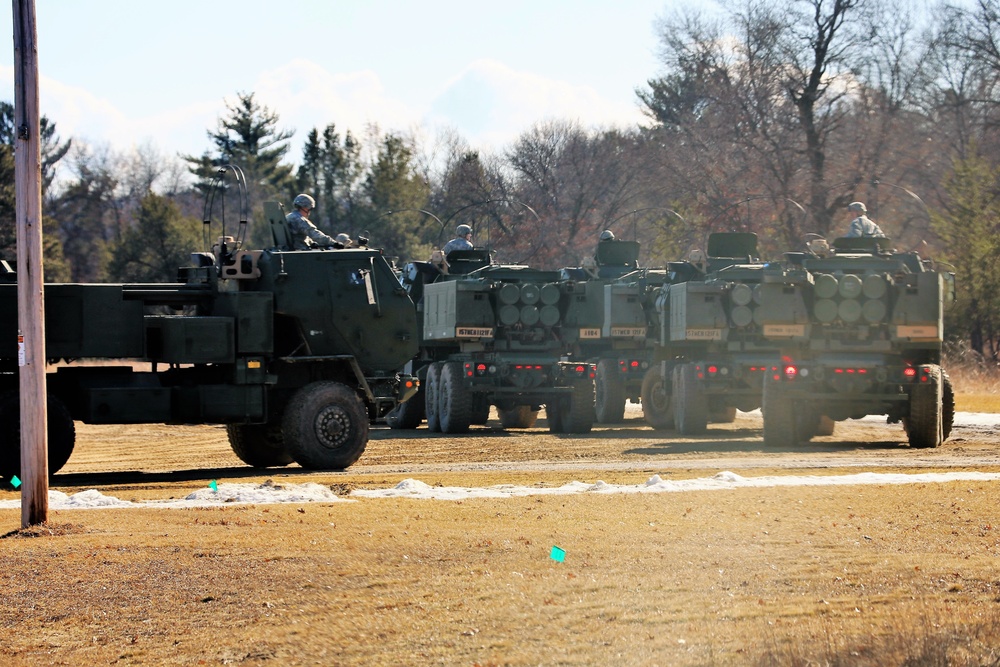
point(132, 72)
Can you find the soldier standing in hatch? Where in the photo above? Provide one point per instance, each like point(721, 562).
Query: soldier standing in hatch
point(305, 234)
point(462, 240)
point(862, 225)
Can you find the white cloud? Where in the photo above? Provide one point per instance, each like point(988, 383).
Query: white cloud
point(306, 95)
point(78, 113)
point(487, 103)
point(491, 103)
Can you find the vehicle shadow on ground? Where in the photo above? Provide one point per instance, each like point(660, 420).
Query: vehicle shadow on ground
point(170, 476)
point(711, 443)
point(386, 433)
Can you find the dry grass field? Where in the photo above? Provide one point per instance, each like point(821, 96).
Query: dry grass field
point(801, 575)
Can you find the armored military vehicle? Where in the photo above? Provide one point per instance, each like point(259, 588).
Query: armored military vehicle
point(491, 336)
point(859, 327)
point(294, 351)
point(611, 322)
point(712, 357)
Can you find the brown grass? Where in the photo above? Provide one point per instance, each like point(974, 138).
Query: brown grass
point(808, 575)
point(976, 382)
point(859, 575)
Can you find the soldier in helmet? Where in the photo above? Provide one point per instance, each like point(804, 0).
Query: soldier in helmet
point(607, 235)
point(862, 225)
point(343, 240)
point(462, 240)
point(305, 234)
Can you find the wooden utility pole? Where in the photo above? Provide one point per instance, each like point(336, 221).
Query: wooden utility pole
point(30, 294)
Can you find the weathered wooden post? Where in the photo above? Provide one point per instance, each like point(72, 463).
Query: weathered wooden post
point(30, 294)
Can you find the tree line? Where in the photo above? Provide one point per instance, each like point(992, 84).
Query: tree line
point(764, 117)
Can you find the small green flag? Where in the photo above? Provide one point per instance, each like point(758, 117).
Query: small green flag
point(558, 555)
point(15, 482)
point(212, 485)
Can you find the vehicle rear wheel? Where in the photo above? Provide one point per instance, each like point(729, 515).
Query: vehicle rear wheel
point(576, 409)
point(610, 401)
point(656, 405)
point(258, 445)
point(724, 414)
point(580, 418)
point(61, 434)
point(432, 397)
point(810, 424)
point(924, 425)
point(779, 416)
point(407, 416)
point(554, 416)
point(480, 409)
point(690, 408)
point(520, 416)
point(947, 405)
point(826, 426)
point(454, 402)
point(325, 426)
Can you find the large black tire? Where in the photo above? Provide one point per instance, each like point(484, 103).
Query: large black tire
point(825, 426)
point(480, 409)
point(407, 416)
point(258, 445)
point(725, 414)
point(61, 435)
point(519, 416)
point(690, 404)
point(575, 410)
point(454, 402)
point(780, 424)
point(947, 405)
point(325, 426)
point(806, 423)
point(925, 425)
point(657, 407)
point(610, 393)
point(554, 416)
point(432, 397)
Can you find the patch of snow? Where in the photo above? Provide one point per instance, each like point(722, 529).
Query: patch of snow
point(270, 493)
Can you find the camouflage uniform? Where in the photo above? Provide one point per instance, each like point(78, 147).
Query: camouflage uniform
point(862, 225)
point(459, 242)
point(306, 234)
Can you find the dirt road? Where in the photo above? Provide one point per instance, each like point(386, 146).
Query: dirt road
point(157, 453)
point(780, 575)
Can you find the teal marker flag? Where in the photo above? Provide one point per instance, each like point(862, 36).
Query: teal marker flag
point(558, 555)
point(15, 482)
point(212, 485)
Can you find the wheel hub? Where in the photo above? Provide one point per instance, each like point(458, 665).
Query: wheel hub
point(332, 426)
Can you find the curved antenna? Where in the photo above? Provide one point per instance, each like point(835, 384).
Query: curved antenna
point(876, 182)
point(750, 198)
point(746, 201)
point(218, 185)
point(367, 235)
point(635, 234)
point(504, 200)
point(410, 210)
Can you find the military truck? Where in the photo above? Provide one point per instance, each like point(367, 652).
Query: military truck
point(296, 352)
point(711, 359)
point(859, 327)
point(611, 322)
point(492, 336)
